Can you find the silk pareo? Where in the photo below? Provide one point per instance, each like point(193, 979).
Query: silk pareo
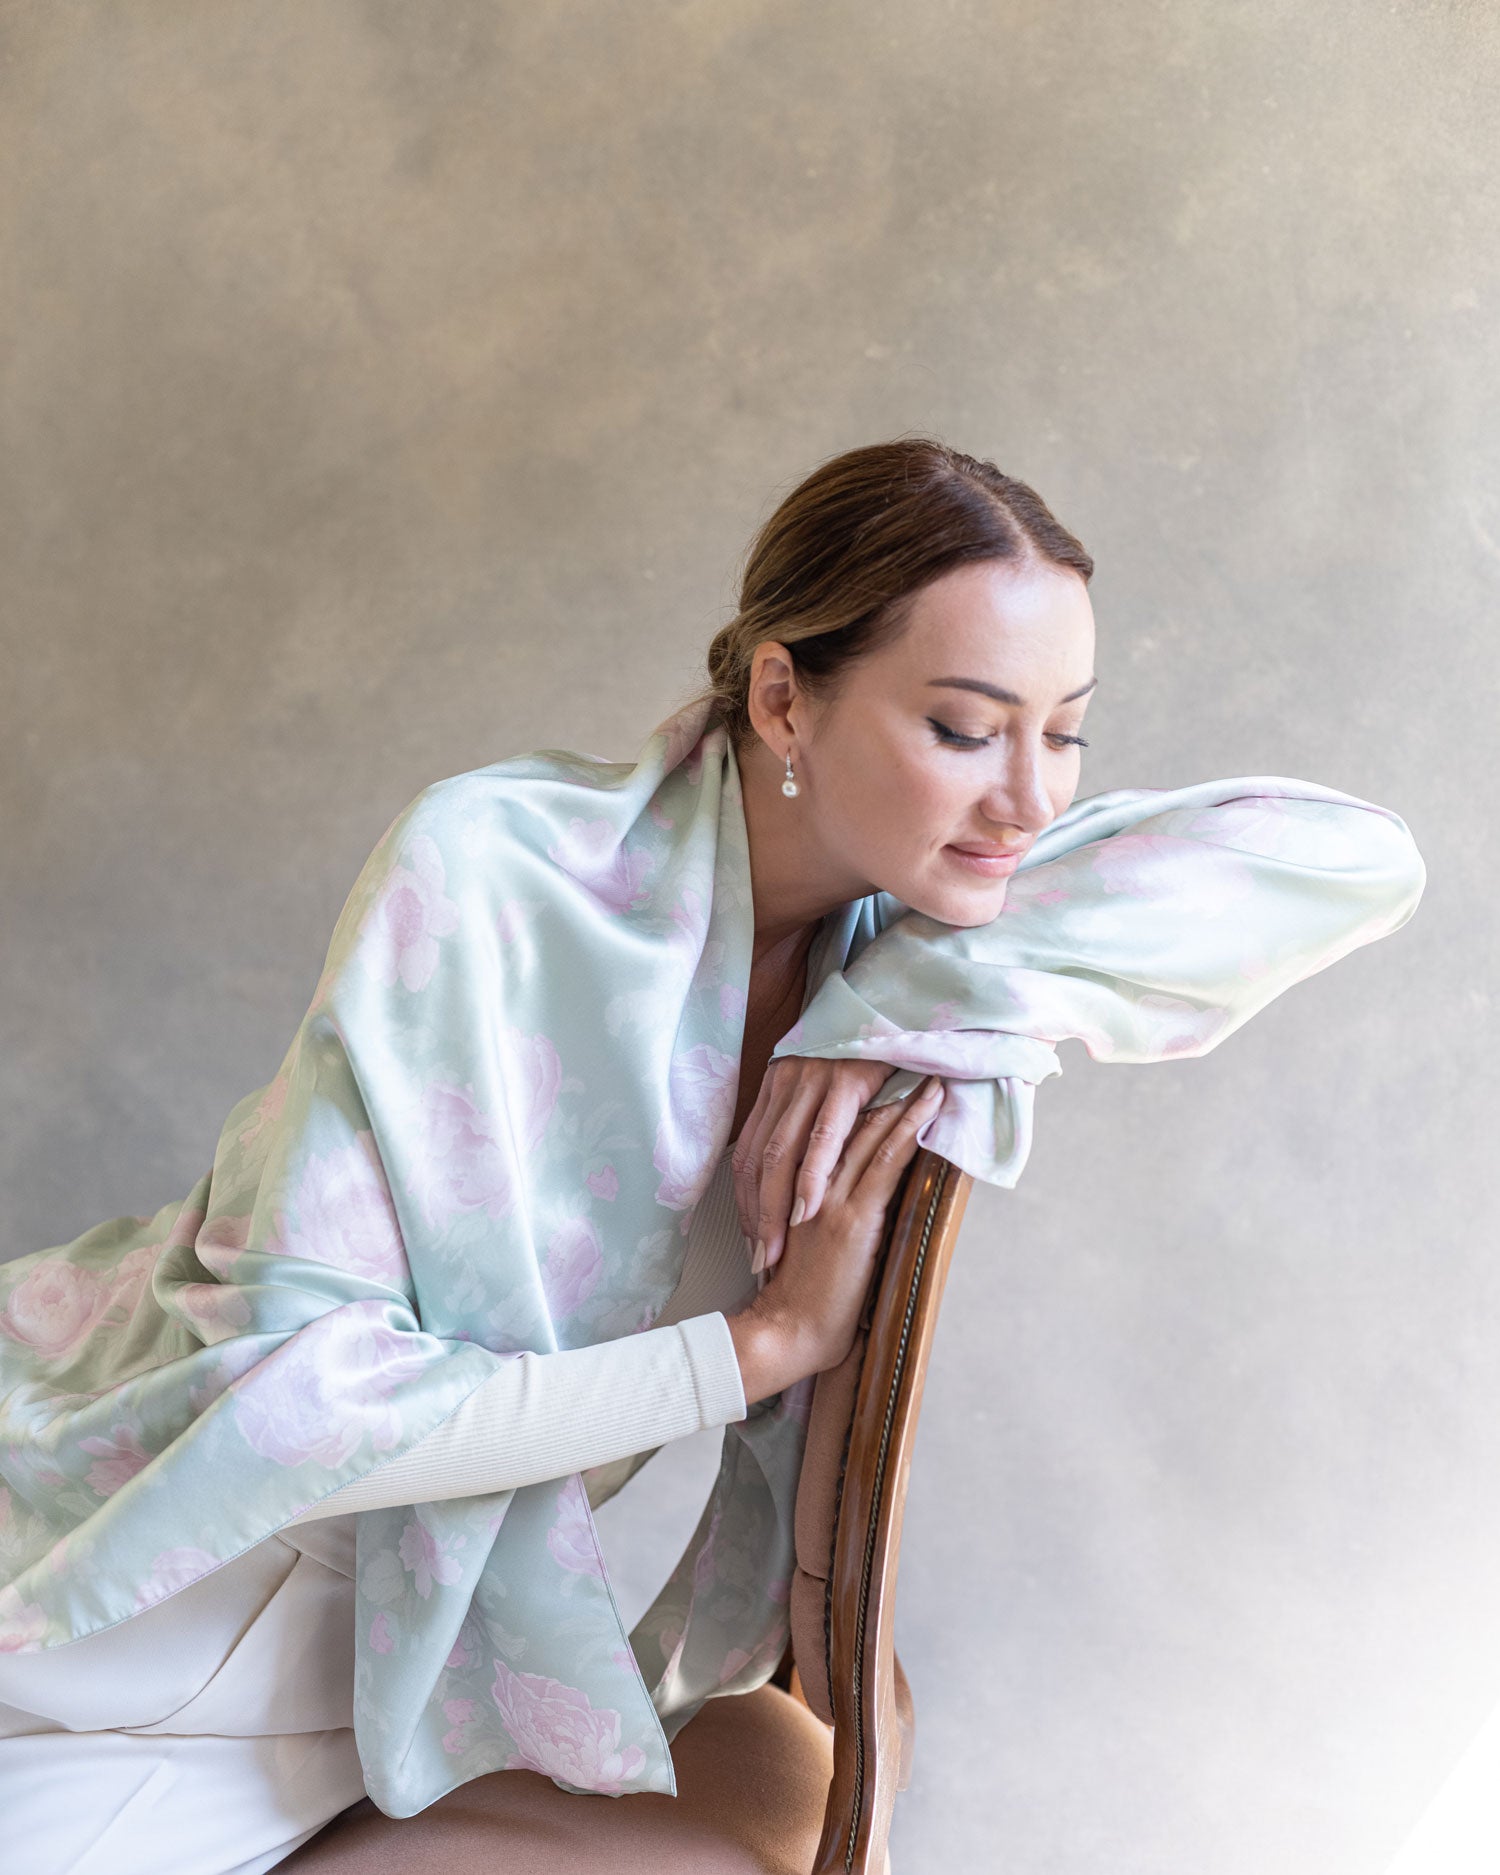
point(488, 1136)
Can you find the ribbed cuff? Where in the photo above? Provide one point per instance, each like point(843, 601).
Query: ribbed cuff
point(716, 1368)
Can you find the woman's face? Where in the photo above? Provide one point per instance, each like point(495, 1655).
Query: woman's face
point(940, 758)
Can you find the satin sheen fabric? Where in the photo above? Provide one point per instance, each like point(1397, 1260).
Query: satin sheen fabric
point(489, 1134)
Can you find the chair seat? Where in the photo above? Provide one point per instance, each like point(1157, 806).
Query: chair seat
point(753, 1771)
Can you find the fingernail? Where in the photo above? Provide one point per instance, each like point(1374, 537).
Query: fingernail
point(758, 1261)
point(799, 1209)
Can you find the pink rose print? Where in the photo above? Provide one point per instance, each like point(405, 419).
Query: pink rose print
point(233, 1363)
point(222, 1241)
point(573, 1266)
point(1032, 888)
point(559, 1733)
point(536, 1077)
point(604, 1183)
point(428, 1558)
point(342, 1214)
point(171, 1570)
point(682, 737)
point(463, 1161)
point(706, 1562)
point(267, 1111)
point(289, 1411)
point(1205, 881)
point(598, 858)
point(410, 914)
point(511, 922)
point(570, 1539)
point(731, 1005)
point(326, 1387)
point(670, 1641)
point(217, 1311)
point(53, 1307)
point(701, 1088)
point(382, 1641)
point(117, 1459)
point(22, 1624)
point(458, 1713)
point(764, 1658)
point(690, 919)
point(185, 1225)
point(461, 1164)
point(1181, 1028)
point(131, 1276)
point(736, 1658)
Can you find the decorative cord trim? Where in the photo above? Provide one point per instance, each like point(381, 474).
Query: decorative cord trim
point(867, 1566)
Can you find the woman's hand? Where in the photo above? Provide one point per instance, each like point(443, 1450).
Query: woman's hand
point(804, 1318)
point(789, 1145)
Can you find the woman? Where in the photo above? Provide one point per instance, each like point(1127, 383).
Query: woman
point(298, 1471)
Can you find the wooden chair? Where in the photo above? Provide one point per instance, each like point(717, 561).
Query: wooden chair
point(799, 1777)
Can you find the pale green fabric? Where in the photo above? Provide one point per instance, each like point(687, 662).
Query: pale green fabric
point(488, 1135)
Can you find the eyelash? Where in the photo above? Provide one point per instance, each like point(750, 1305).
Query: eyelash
point(956, 741)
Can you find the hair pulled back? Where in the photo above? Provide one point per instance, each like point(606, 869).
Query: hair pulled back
point(832, 572)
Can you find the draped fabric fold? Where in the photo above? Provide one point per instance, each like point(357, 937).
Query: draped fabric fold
point(1145, 923)
point(488, 1135)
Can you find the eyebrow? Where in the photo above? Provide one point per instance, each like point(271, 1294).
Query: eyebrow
point(994, 690)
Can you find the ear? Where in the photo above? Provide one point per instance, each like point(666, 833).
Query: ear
point(775, 700)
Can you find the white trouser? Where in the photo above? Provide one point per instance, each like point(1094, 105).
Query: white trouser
point(210, 1735)
point(116, 1803)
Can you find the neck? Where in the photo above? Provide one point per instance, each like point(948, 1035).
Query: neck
point(794, 884)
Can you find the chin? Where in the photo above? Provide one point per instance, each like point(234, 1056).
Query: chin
point(979, 914)
point(956, 906)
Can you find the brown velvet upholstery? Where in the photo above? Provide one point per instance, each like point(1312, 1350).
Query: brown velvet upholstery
point(752, 1781)
point(798, 1777)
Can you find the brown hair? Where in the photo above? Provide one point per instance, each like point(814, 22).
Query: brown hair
point(833, 571)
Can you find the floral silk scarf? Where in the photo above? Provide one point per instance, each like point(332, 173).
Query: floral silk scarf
point(487, 1138)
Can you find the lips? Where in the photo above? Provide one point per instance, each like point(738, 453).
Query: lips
point(991, 862)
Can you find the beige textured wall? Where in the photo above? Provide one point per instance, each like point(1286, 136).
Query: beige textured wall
point(388, 389)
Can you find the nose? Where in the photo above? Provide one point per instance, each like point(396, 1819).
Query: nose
point(1017, 797)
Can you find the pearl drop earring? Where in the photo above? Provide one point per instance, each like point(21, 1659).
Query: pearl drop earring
point(789, 786)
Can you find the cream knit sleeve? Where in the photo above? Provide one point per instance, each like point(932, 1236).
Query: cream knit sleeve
point(546, 1415)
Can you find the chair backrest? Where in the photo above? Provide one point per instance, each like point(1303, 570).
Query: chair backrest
point(850, 1502)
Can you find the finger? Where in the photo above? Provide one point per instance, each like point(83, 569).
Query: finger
point(890, 1141)
point(778, 1098)
point(836, 1120)
point(829, 1160)
point(780, 1159)
point(745, 1159)
point(854, 1082)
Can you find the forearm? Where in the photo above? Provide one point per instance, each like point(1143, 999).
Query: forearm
point(548, 1415)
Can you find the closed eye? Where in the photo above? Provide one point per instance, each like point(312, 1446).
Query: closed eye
point(955, 740)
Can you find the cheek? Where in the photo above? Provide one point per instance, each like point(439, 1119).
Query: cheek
point(906, 808)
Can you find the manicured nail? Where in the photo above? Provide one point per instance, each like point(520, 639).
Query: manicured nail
point(758, 1261)
point(799, 1209)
